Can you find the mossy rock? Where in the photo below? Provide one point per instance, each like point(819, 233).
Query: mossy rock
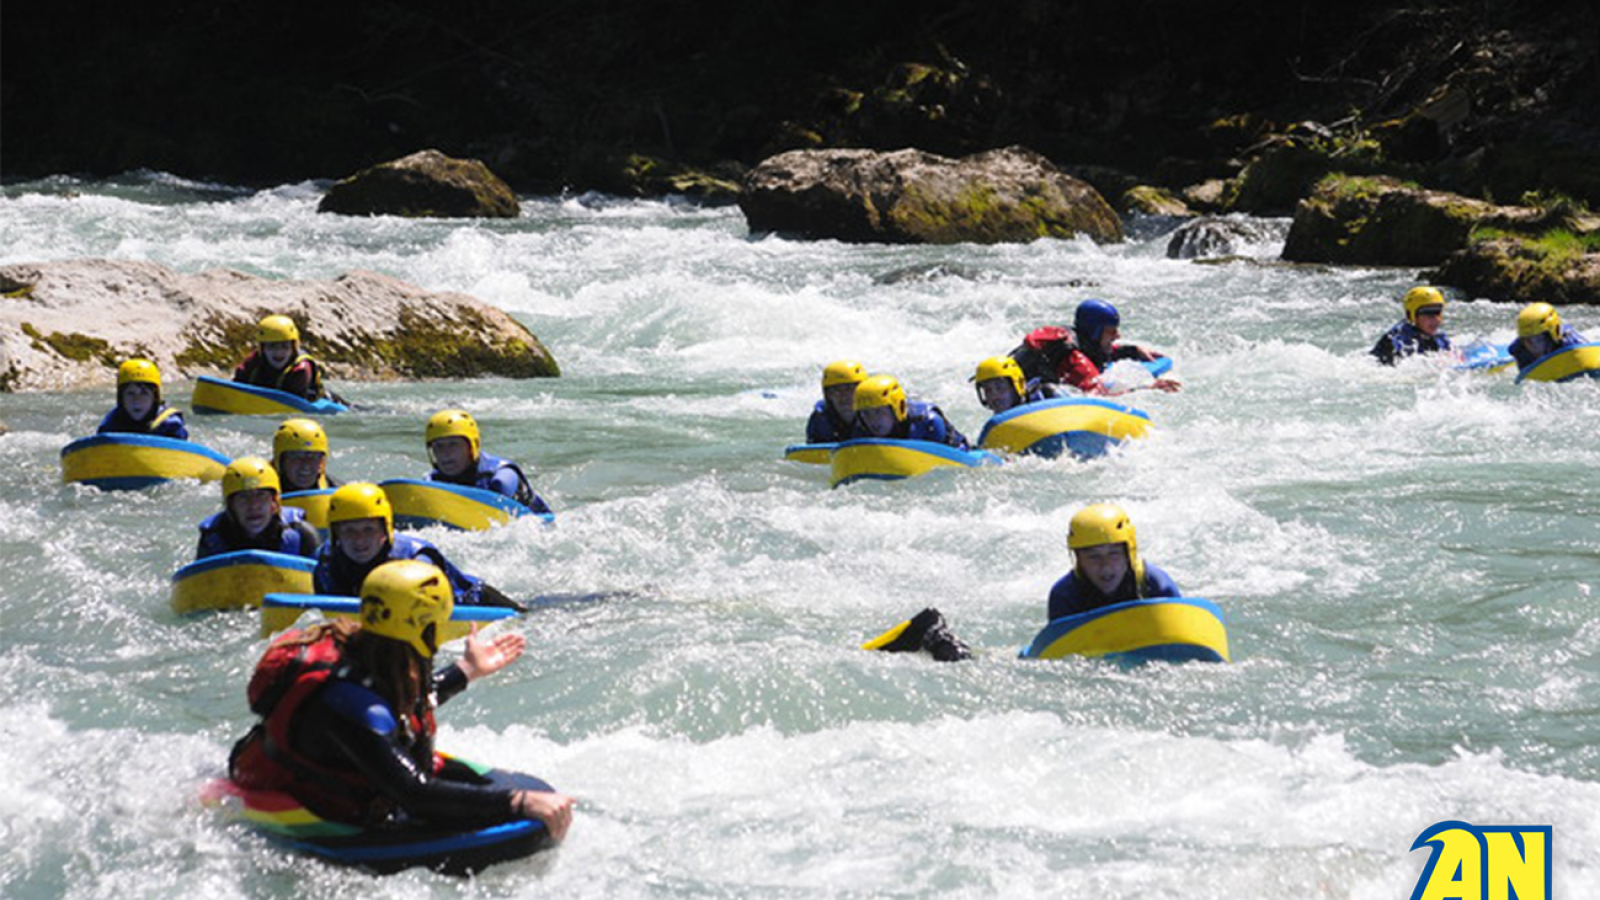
point(1365, 220)
point(1148, 200)
point(1555, 267)
point(427, 184)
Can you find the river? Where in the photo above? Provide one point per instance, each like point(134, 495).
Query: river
point(1406, 557)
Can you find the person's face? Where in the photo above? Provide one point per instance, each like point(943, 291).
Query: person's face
point(1538, 344)
point(1105, 565)
point(360, 539)
point(1108, 336)
point(253, 510)
point(1429, 320)
point(301, 470)
point(878, 420)
point(841, 399)
point(278, 353)
point(997, 394)
point(452, 455)
point(138, 399)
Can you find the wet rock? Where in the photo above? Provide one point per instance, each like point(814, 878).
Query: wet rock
point(1146, 200)
point(910, 196)
point(1384, 222)
point(426, 184)
point(1214, 236)
point(927, 272)
point(68, 324)
point(1523, 270)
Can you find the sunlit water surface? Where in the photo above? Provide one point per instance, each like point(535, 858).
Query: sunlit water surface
point(1406, 558)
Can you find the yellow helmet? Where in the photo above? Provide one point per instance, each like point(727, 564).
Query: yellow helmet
point(409, 601)
point(361, 500)
point(1106, 523)
point(1419, 297)
point(1002, 367)
point(249, 473)
point(274, 329)
point(844, 371)
point(882, 390)
point(139, 371)
point(1539, 318)
point(299, 436)
point(453, 423)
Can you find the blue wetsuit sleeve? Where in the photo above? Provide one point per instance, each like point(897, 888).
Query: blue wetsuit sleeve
point(363, 730)
point(1064, 599)
point(505, 482)
point(1157, 583)
point(468, 589)
point(322, 575)
point(818, 429)
point(173, 427)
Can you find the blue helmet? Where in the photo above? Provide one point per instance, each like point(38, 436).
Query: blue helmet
point(1092, 317)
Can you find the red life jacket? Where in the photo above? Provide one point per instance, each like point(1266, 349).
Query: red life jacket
point(1044, 352)
point(288, 675)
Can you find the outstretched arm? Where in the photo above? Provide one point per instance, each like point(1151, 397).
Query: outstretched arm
point(486, 657)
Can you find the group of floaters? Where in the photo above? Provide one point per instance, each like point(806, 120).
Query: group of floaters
point(1045, 397)
point(342, 763)
point(865, 426)
point(1545, 348)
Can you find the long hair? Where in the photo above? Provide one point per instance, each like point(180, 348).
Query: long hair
point(396, 672)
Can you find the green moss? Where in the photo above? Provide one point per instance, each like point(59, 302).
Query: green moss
point(234, 338)
point(76, 347)
point(17, 294)
point(424, 348)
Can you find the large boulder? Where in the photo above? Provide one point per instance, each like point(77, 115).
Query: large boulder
point(426, 184)
point(68, 324)
point(914, 197)
point(1552, 269)
point(1383, 222)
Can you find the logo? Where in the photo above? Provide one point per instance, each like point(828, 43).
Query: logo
point(1488, 862)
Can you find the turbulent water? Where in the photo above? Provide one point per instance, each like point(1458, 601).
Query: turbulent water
point(1406, 558)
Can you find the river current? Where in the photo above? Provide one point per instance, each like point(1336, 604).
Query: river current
point(1406, 557)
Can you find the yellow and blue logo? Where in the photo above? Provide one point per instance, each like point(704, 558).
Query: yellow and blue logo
point(1488, 862)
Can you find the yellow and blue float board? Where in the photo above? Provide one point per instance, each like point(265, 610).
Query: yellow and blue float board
point(279, 612)
point(1084, 427)
point(459, 851)
point(131, 461)
point(214, 395)
point(887, 459)
point(1167, 628)
point(1564, 365)
point(419, 503)
point(314, 503)
point(238, 580)
point(1482, 356)
point(815, 454)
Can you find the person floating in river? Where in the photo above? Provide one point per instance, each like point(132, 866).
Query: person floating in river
point(454, 445)
point(300, 454)
point(1079, 356)
point(277, 362)
point(349, 733)
point(139, 409)
point(1106, 565)
point(832, 416)
point(1001, 385)
point(252, 517)
point(882, 411)
point(362, 537)
point(1422, 330)
point(1540, 333)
